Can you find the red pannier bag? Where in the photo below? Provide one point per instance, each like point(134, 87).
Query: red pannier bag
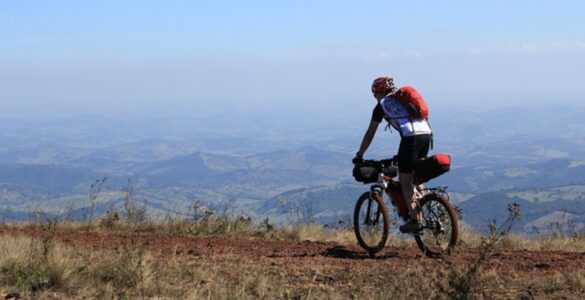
point(431, 167)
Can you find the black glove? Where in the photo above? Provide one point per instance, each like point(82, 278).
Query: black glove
point(357, 160)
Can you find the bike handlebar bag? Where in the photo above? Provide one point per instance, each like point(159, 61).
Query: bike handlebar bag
point(431, 167)
point(365, 174)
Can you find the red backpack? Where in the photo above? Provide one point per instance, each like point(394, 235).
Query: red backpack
point(413, 103)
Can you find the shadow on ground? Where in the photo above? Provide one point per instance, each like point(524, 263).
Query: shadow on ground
point(342, 252)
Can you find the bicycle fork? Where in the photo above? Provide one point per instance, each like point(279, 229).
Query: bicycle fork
point(375, 191)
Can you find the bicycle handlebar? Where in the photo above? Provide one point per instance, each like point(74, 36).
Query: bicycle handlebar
point(380, 164)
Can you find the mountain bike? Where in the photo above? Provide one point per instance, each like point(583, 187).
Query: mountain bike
point(439, 230)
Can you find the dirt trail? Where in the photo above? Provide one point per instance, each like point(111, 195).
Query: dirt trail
point(307, 253)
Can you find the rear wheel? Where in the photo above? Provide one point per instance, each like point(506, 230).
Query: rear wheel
point(440, 230)
point(370, 222)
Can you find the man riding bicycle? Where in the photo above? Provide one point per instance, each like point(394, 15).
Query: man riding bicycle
point(416, 139)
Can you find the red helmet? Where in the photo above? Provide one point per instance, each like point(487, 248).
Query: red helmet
point(382, 85)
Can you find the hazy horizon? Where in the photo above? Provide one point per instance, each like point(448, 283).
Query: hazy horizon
point(148, 58)
point(357, 107)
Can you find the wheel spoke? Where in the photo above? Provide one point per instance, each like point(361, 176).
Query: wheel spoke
point(440, 232)
point(370, 223)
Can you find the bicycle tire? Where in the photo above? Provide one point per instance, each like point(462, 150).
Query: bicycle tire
point(439, 225)
point(368, 235)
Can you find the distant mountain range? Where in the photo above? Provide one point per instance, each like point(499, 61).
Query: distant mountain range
point(290, 172)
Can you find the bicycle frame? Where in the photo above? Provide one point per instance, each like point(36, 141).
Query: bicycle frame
point(394, 192)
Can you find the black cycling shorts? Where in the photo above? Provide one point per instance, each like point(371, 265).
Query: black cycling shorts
point(412, 148)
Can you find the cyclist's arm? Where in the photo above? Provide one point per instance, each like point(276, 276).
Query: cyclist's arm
point(368, 137)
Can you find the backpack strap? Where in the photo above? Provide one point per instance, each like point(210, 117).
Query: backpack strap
point(432, 141)
point(432, 138)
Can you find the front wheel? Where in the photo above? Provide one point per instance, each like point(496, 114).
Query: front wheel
point(370, 222)
point(440, 230)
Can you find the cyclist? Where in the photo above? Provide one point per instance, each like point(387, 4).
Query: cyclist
point(416, 138)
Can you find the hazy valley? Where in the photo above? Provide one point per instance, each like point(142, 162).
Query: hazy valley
point(289, 167)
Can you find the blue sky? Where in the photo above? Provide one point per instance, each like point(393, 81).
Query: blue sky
point(102, 55)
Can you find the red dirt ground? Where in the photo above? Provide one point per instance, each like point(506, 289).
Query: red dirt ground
point(343, 269)
point(314, 253)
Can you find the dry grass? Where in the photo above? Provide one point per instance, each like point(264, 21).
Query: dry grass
point(67, 272)
point(470, 239)
point(45, 269)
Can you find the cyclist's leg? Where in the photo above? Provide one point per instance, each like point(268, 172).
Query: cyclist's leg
point(411, 148)
point(408, 193)
point(407, 154)
point(423, 144)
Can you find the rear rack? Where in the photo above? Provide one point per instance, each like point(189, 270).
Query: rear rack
point(441, 190)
